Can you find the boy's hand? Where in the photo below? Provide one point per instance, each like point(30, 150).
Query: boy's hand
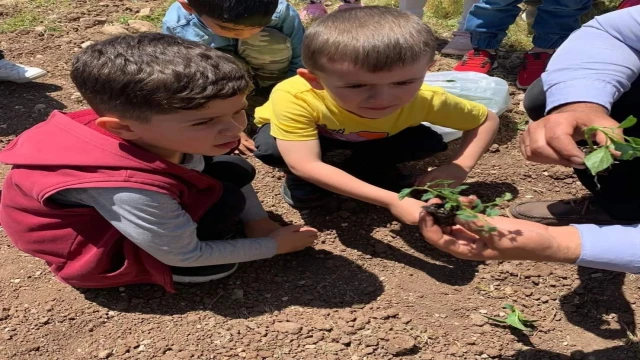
point(260, 228)
point(514, 239)
point(247, 146)
point(450, 171)
point(407, 210)
point(294, 238)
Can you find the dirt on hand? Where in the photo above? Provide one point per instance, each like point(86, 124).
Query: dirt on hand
point(370, 289)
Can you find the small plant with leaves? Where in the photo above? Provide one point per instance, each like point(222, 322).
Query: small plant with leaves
point(514, 319)
point(444, 214)
point(600, 158)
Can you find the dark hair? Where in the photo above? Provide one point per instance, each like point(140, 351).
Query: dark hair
point(138, 76)
point(249, 13)
point(372, 38)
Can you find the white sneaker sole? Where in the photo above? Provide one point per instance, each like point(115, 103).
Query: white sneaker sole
point(202, 279)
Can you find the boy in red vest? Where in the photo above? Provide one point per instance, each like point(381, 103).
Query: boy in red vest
point(138, 189)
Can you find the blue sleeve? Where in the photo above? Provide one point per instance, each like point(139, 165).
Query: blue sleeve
point(597, 63)
point(290, 24)
point(615, 248)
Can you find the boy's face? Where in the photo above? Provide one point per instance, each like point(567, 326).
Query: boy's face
point(369, 95)
point(212, 130)
point(230, 30)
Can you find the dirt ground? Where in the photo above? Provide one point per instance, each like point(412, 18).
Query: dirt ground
point(370, 289)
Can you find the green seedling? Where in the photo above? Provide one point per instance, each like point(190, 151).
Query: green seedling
point(600, 158)
point(514, 319)
point(451, 206)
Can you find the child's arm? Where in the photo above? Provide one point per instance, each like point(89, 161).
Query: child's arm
point(291, 25)
point(304, 159)
point(159, 225)
point(473, 144)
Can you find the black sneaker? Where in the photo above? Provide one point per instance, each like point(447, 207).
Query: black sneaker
point(200, 274)
point(302, 194)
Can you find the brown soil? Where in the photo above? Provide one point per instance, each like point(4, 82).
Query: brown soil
point(370, 289)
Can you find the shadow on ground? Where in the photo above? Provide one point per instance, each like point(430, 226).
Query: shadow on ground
point(621, 352)
point(599, 306)
point(29, 104)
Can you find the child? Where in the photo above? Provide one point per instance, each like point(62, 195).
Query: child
point(127, 192)
point(488, 21)
point(265, 36)
point(365, 93)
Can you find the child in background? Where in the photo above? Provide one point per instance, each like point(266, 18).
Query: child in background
point(137, 189)
point(264, 35)
point(365, 93)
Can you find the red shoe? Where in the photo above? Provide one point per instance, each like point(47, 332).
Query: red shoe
point(480, 61)
point(533, 66)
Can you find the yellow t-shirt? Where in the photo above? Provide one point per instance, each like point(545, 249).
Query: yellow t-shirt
point(298, 112)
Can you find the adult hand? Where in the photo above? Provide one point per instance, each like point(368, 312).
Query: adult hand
point(450, 171)
point(513, 240)
point(247, 146)
point(552, 140)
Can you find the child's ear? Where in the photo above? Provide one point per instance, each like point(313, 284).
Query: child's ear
point(116, 127)
point(311, 79)
point(186, 6)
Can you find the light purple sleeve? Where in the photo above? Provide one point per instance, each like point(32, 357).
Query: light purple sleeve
point(597, 63)
point(615, 248)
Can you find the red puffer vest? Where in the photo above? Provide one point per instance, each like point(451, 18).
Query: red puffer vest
point(79, 245)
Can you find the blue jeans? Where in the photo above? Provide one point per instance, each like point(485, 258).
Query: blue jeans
point(489, 20)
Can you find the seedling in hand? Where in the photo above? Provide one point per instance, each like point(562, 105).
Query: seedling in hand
point(600, 157)
point(514, 319)
point(451, 207)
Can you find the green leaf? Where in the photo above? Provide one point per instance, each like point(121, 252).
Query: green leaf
point(449, 205)
point(460, 188)
point(464, 215)
point(491, 212)
point(507, 196)
point(404, 193)
point(489, 229)
point(627, 151)
point(598, 160)
point(427, 196)
point(628, 122)
point(514, 320)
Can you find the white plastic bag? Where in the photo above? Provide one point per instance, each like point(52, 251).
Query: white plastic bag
point(489, 91)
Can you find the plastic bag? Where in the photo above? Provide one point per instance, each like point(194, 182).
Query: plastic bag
point(489, 91)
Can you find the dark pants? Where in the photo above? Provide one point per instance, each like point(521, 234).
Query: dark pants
point(619, 193)
point(222, 219)
point(411, 144)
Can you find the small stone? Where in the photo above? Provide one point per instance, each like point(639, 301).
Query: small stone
point(142, 26)
point(86, 44)
point(43, 321)
point(237, 294)
point(368, 350)
point(370, 341)
point(288, 327)
point(114, 30)
point(545, 299)
point(40, 29)
point(91, 22)
point(144, 12)
point(334, 347)
point(39, 107)
point(483, 311)
point(494, 148)
point(265, 354)
point(105, 354)
point(400, 344)
point(478, 320)
point(492, 352)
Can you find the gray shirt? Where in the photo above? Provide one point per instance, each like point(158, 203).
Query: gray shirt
point(160, 226)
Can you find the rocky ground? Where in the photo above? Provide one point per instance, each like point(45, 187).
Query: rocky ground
point(370, 289)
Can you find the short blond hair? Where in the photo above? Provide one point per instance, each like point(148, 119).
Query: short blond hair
point(372, 38)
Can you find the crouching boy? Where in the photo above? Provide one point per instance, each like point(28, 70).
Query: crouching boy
point(365, 93)
point(137, 189)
